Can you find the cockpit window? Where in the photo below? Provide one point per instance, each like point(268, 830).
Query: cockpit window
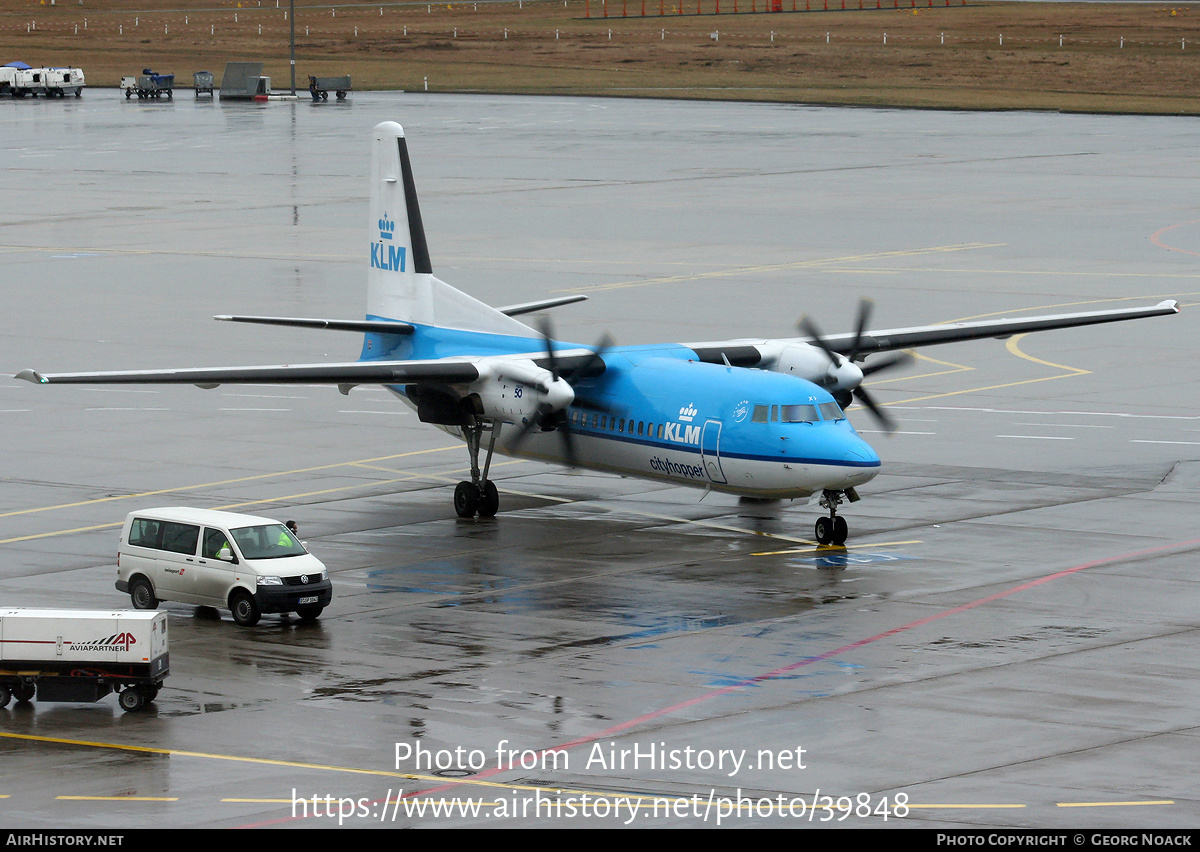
point(799, 413)
point(760, 414)
point(831, 411)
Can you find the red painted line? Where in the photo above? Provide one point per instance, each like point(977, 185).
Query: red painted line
point(1156, 237)
point(807, 661)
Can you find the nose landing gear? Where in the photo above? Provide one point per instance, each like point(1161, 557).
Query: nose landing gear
point(834, 529)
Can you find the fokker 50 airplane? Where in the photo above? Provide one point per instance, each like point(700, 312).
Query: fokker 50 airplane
point(756, 418)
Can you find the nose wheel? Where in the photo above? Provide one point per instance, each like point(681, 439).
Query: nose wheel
point(832, 529)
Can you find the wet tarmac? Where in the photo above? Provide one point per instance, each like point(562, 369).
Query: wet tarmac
point(1009, 639)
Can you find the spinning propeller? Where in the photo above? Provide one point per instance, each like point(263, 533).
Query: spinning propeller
point(549, 417)
point(845, 377)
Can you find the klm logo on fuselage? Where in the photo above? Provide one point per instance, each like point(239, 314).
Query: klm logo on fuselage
point(384, 255)
point(683, 432)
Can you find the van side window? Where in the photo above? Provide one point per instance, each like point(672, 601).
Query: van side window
point(214, 540)
point(180, 538)
point(143, 533)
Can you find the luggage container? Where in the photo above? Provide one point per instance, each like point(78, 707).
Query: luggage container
point(63, 82)
point(320, 87)
point(82, 655)
point(202, 81)
point(148, 85)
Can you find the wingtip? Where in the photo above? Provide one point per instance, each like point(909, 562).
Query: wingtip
point(1170, 304)
point(32, 376)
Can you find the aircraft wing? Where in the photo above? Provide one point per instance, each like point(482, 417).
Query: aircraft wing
point(749, 353)
point(349, 373)
point(345, 375)
point(928, 335)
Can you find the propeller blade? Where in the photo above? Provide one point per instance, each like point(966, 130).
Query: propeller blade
point(860, 393)
point(865, 307)
point(548, 340)
point(898, 360)
point(810, 329)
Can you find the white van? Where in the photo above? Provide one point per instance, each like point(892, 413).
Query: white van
point(243, 563)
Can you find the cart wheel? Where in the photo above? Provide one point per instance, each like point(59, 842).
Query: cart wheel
point(5, 694)
point(24, 692)
point(341, 96)
point(324, 96)
point(128, 93)
point(132, 699)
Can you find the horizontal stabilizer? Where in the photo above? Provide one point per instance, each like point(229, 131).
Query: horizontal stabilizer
point(378, 326)
point(540, 305)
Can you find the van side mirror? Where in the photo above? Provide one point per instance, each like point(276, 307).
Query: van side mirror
point(226, 555)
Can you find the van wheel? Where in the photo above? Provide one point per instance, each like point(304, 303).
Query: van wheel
point(310, 612)
point(142, 594)
point(244, 609)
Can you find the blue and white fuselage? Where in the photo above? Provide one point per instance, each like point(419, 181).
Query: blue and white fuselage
point(667, 416)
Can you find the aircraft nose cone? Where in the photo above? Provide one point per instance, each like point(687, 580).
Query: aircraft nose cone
point(864, 462)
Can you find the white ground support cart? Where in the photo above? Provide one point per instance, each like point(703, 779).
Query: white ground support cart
point(82, 655)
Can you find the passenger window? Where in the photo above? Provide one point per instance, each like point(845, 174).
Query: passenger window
point(641, 423)
point(143, 533)
point(180, 538)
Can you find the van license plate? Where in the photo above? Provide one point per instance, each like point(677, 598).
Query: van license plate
point(309, 599)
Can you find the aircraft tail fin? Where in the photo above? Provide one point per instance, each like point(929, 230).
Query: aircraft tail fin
point(400, 284)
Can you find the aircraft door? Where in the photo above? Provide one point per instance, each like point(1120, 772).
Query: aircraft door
point(710, 450)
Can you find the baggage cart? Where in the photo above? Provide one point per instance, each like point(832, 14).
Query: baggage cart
point(148, 85)
point(320, 87)
point(203, 83)
point(82, 655)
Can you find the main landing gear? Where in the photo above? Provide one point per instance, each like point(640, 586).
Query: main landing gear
point(479, 496)
point(834, 529)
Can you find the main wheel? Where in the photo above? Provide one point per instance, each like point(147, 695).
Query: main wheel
point(24, 691)
point(244, 609)
point(489, 500)
point(824, 530)
point(142, 594)
point(466, 499)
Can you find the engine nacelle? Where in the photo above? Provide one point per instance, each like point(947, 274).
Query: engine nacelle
point(516, 391)
point(812, 363)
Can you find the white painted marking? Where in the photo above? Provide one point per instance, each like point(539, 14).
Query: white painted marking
point(1038, 437)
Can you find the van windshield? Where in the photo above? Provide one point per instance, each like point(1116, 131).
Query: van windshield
point(269, 541)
